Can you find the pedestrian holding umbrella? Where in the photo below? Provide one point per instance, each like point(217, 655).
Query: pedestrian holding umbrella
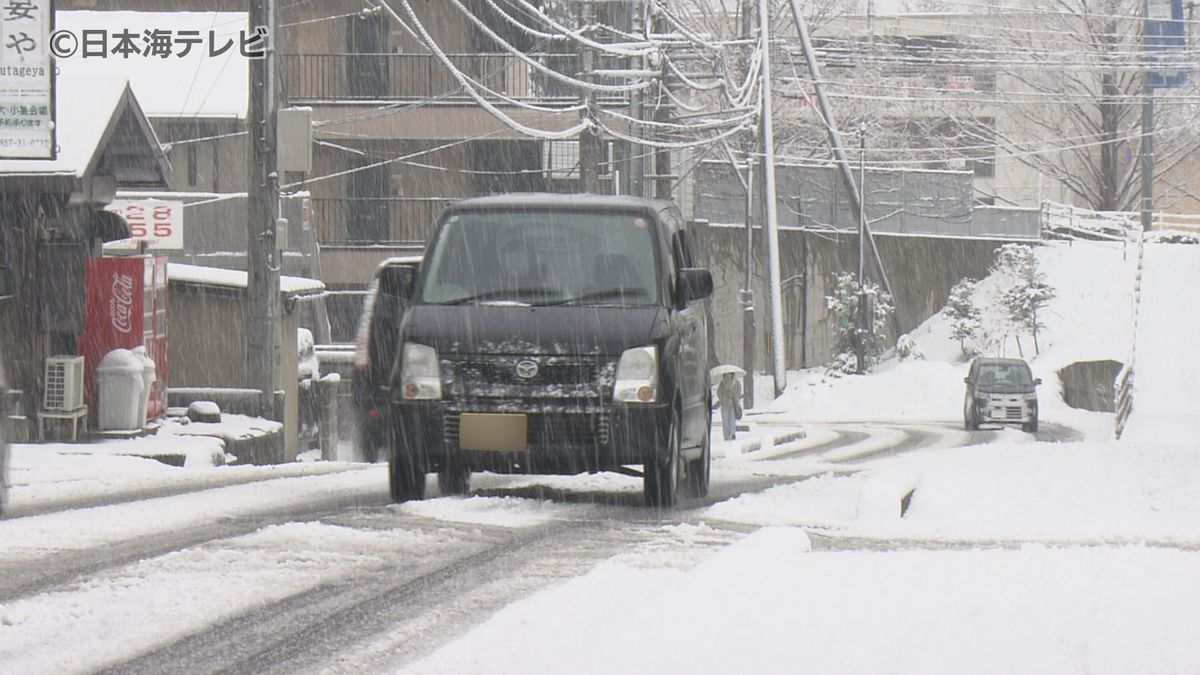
point(729, 397)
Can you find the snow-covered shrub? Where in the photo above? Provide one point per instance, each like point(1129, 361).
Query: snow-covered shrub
point(1174, 237)
point(907, 348)
point(847, 335)
point(842, 364)
point(961, 312)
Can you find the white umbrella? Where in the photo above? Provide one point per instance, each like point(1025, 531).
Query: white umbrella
point(719, 372)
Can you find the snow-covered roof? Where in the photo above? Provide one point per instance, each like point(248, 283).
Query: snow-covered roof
point(217, 276)
point(196, 85)
point(87, 110)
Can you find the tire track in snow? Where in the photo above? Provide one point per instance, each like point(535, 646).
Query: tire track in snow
point(378, 623)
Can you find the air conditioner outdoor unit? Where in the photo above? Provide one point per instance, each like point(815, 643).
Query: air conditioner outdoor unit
point(64, 383)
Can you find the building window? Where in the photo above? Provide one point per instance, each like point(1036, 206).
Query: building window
point(368, 216)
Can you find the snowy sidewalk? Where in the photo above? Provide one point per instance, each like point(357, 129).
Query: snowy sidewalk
point(1166, 404)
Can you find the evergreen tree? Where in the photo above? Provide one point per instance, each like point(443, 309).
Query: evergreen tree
point(962, 313)
point(847, 335)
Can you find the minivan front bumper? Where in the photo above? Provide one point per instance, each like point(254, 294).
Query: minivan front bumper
point(1005, 409)
point(560, 438)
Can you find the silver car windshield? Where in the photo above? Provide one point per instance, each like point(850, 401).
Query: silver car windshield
point(1003, 375)
point(543, 258)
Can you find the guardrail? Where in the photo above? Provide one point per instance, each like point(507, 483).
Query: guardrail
point(1064, 221)
point(1124, 381)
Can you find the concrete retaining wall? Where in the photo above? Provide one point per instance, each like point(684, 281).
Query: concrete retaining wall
point(1090, 385)
point(922, 269)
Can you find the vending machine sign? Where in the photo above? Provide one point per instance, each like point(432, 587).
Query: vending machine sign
point(120, 302)
point(156, 222)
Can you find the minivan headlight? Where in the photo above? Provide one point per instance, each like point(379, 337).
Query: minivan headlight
point(637, 376)
point(420, 375)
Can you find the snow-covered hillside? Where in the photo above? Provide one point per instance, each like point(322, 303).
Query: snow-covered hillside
point(1088, 319)
point(1166, 404)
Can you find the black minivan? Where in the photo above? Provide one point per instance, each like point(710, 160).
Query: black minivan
point(554, 334)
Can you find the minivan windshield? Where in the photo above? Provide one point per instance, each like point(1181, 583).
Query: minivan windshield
point(543, 257)
point(1004, 375)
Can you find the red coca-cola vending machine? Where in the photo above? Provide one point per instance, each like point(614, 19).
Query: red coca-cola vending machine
point(126, 307)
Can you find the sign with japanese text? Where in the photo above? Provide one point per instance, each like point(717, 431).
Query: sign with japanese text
point(26, 80)
point(156, 222)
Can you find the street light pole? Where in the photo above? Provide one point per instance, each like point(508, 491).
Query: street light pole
point(778, 346)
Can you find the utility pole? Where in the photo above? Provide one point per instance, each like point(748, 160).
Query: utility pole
point(590, 154)
point(749, 328)
point(636, 160)
point(774, 285)
point(662, 113)
point(1147, 133)
point(262, 260)
point(860, 342)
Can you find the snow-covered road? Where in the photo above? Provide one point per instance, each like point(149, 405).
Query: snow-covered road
point(291, 572)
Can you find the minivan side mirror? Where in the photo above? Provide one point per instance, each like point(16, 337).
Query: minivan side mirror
point(694, 284)
point(7, 283)
point(966, 380)
point(398, 280)
point(1037, 381)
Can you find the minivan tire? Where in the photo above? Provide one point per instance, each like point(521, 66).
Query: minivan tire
point(1031, 426)
point(454, 478)
point(661, 475)
point(969, 422)
point(698, 470)
point(406, 474)
point(366, 446)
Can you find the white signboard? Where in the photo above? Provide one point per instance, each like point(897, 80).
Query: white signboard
point(1159, 10)
point(157, 222)
point(26, 80)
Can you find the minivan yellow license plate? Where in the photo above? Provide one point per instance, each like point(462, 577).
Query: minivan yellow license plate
point(500, 432)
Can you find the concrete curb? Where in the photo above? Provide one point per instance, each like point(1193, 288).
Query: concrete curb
point(778, 440)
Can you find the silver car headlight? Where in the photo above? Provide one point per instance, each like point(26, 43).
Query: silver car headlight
point(420, 374)
point(637, 375)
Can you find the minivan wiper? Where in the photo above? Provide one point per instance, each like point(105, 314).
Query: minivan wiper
point(507, 293)
point(602, 294)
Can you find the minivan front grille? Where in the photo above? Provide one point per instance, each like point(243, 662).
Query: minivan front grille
point(505, 371)
point(545, 376)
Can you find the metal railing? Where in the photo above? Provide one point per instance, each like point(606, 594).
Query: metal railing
point(1124, 382)
point(387, 76)
point(1064, 221)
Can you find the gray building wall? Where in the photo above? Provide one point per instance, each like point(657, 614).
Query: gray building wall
point(938, 203)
